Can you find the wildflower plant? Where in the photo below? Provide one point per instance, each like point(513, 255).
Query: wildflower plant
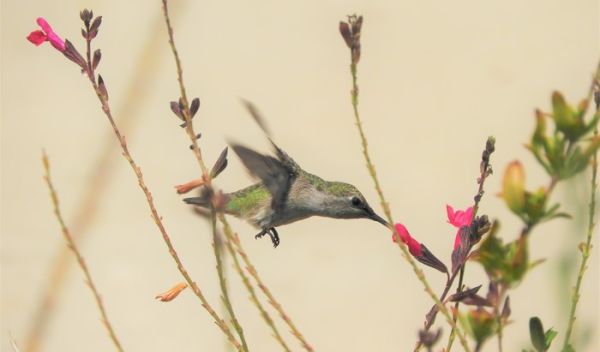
point(564, 143)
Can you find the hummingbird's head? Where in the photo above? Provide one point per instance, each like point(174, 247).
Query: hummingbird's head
point(346, 202)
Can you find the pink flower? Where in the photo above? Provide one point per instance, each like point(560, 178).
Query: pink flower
point(414, 247)
point(418, 250)
point(46, 34)
point(458, 219)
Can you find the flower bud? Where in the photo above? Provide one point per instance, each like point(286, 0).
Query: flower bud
point(513, 187)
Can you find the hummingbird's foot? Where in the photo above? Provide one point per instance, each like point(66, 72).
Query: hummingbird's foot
point(261, 234)
point(274, 237)
point(272, 233)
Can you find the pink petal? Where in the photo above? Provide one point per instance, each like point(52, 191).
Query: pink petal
point(56, 42)
point(403, 232)
point(44, 24)
point(414, 247)
point(52, 37)
point(450, 213)
point(459, 218)
point(37, 37)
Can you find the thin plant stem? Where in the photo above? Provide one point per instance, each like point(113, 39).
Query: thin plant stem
point(384, 204)
point(252, 271)
point(80, 260)
point(87, 207)
point(227, 229)
point(223, 283)
point(587, 247)
point(253, 297)
point(189, 128)
point(485, 171)
point(186, 110)
point(103, 98)
point(458, 289)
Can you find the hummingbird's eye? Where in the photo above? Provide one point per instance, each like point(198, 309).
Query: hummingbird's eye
point(356, 201)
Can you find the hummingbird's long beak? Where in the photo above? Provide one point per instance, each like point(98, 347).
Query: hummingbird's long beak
point(378, 218)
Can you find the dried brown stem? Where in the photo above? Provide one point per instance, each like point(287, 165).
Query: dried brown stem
point(189, 128)
point(103, 98)
point(80, 260)
point(252, 271)
point(148, 60)
point(253, 297)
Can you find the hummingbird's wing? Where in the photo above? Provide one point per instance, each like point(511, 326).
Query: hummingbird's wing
point(277, 174)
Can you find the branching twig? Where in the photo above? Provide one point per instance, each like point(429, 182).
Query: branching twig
point(80, 260)
point(227, 229)
point(253, 297)
point(353, 42)
point(586, 247)
point(252, 271)
point(189, 128)
point(101, 92)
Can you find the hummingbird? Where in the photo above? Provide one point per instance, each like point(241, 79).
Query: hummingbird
point(286, 193)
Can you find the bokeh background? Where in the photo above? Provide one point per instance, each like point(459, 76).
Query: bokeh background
point(436, 79)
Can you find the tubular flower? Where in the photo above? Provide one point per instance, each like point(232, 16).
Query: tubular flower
point(37, 37)
point(414, 247)
point(418, 250)
point(458, 219)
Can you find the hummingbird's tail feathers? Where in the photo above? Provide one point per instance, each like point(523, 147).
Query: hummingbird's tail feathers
point(201, 201)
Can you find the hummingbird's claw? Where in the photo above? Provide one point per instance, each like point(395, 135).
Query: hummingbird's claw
point(272, 233)
point(261, 234)
point(274, 237)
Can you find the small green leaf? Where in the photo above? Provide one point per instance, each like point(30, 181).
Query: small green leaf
point(536, 332)
point(549, 336)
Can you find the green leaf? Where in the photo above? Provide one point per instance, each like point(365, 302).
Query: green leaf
point(549, 336)
point(536, 332)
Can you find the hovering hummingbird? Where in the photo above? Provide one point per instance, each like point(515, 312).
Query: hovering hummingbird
point(286, 193)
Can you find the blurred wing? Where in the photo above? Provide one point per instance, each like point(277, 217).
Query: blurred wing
point(277, 175)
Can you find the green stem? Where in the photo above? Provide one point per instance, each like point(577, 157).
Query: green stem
point(263, 287)
point(80, 260)
point(206, 175)
point(253, 297)
point(223, 284)
point(418, 272)
point(585, 250)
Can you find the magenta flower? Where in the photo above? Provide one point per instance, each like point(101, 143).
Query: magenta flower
point(37, 37)
point(458, 219)
point(418, 250)
point(414, 247)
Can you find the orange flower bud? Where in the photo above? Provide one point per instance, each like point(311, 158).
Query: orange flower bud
point(186, 187)
point(172, 293)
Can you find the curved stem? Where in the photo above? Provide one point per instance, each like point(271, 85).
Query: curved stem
point(73, 247)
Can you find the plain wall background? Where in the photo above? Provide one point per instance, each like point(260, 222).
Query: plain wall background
point(436, 79)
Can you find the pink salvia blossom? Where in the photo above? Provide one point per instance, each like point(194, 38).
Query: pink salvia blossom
point(458, 219)
point(414, 247)
point(37, 37)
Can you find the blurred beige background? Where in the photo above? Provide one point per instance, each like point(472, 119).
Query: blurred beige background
point(436, 79)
